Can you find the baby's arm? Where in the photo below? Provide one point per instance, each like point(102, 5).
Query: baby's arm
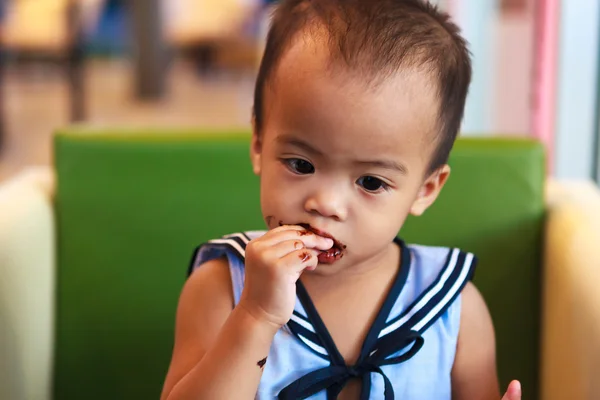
point(474, 375)
point(220, 353)
point(216, 349)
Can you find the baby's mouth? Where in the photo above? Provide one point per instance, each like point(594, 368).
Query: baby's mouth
point(335, 253)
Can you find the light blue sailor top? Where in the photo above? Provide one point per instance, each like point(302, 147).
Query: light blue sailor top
point(408, 352)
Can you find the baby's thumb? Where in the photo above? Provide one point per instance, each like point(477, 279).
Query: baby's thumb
point(513, 392)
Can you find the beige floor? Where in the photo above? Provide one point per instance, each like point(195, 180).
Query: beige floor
point(36, 103)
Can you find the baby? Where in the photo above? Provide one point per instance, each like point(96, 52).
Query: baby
point(357, 106)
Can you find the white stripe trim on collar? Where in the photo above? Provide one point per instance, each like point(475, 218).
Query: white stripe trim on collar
point(451, 293)
point(314, 346)
point(236, 235)
point(425, 299)
point(232, 243)
point(306, 325)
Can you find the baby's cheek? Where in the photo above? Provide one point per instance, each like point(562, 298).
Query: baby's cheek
point(277, 203)
point(384, 226)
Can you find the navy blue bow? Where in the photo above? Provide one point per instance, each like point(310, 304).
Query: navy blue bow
point(334, 377)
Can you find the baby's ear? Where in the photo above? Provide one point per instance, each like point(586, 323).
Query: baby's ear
point(255, 148)
point(430, 190)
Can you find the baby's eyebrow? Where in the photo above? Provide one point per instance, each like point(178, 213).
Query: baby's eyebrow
point(386, 164)
point(291, 140)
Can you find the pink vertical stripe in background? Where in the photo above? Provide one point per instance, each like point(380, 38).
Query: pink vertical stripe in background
point(545, 75)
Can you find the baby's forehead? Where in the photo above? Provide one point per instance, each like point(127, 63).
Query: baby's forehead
point(312, 55)
point(315, 44)
point(343, 115)
point(308, 83)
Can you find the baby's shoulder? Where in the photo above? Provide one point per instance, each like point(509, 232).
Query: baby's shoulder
point(231, 247)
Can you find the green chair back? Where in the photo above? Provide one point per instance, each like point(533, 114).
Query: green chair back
point(132, 206)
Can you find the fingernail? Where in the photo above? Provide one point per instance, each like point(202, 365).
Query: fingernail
point(516, 388)
point(305, 256)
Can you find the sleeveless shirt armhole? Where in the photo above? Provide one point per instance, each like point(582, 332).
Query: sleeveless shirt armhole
point(464, 272)
point(473, 268)
point(456, 306)
point(233, 250)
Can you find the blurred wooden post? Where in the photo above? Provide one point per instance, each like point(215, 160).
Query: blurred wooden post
point(75, 58)
point(2, 94)
point(149, 49)
point(2, 72)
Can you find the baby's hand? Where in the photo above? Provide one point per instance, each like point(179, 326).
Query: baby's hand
point(274, 262)
point(513, 392)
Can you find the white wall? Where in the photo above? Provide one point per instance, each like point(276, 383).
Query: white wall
point(577, 88)
point(477, 21)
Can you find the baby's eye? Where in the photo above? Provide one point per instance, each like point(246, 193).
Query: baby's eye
point(371, 184)
point(299, 166)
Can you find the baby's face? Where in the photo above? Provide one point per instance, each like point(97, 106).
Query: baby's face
point(345, 159)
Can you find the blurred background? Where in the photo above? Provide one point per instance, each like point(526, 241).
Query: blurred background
point(94, 243)
point(193, 63)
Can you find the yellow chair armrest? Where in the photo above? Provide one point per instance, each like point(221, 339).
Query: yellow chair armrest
point(570, 361)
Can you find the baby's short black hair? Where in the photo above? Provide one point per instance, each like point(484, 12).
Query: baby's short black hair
point(375, 39)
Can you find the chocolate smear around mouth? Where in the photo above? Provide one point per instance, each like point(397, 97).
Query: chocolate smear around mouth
point(331, 255)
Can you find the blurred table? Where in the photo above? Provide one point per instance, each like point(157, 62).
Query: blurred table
point(48, 30)
point(2, 108)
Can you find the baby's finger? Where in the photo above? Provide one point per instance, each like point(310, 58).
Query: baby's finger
point(300, 260)
point(313, 241)
point(282, 228)
point(280, 234)
point(513, 392)
point(284, 248)
point(291, 232)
